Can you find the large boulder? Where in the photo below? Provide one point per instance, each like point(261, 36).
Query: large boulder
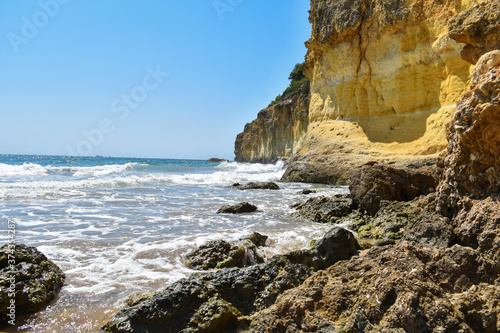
point(211, 302)
point(406, 287)
point(478, 28)
point(376, 182)
point(471, 164)
point(33, 278)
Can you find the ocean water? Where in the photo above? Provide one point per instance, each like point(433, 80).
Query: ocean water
point(122, 226)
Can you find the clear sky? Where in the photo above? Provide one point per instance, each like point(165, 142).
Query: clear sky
point(153, 78)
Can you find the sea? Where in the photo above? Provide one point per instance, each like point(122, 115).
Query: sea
point(121, 227)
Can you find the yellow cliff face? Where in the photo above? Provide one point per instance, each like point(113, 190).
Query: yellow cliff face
point(397, 74)
point(385, 79)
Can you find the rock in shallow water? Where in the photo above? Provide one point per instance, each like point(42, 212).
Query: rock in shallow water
point(240, 208)
point(221, 254)
point(220, 301)
point(37, 280)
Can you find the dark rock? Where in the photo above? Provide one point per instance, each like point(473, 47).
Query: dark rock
point(306, 192)
point(37, 280)
point(211, 302)
point(374, 183)
point(220, 254)
point(406, 287)
point(257, 239)
point(337, 244)
point(240, 208)
point(434, 230)
point(471, 164)
point(260, 186)
point(324, 209)
point(479, 28)
point(217, 160)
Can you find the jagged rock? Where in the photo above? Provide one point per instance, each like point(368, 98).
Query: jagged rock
point(406, 287)
point(324, 209)
point(240, 208)
point(259, 186)
point(477, 225)
point(211, 302)
point(478, 28)
point(220, 254)
point(374, 183)
point(37, 280)
point(471, 164)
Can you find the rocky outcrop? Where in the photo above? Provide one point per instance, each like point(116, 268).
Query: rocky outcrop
point(478, 28)
point(471, 164)
point(375, 182)
point(33, 278)
point(406, 287)
point(324, 209)
point(277, 132)
point(221, 301)
point(385, 78)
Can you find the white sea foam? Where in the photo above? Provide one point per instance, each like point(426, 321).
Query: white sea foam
point(24, 170)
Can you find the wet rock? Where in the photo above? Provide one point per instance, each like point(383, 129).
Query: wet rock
point(324, 209)
point(260, 186)
point(37, 280)
point(211, 302)
point(374, 183)
point(257, 239)
point(406, 287)
point(306, 192)
point(240, 208)
point(471, 164)
point(478, 28)
point(220, 254)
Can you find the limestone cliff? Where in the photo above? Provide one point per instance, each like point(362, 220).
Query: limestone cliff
point(385, 77)
point(277, 131)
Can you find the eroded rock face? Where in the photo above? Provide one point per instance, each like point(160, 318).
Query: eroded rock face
point(406, 287)
point(478, 28)
point(373, 183)
point(324, 209)
point(37, 280)
point(277, 132)
point(471, 164)
point(385, 78)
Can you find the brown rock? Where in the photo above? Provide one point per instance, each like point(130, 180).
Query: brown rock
point(394, 288)
point(374, 183)
point(471, 164)
point(478, 28)
point(240, 208)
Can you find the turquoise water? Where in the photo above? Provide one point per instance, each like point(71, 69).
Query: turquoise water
point(122, 226)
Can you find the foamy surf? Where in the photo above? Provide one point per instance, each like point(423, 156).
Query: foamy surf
point(119, 227)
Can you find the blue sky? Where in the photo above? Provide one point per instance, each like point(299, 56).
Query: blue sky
point(158, 78)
